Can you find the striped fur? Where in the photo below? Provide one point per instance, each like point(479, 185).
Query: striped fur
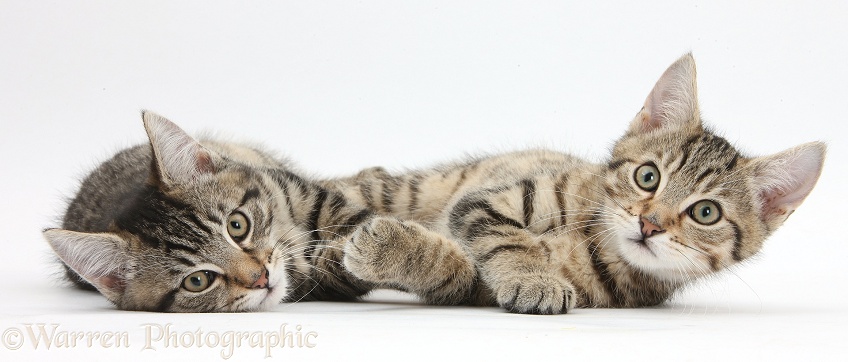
point(540, 231)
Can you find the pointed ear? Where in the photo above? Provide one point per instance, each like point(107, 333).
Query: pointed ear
point(177, 157)
point(99, 258)
point(674, 100)
point(782, 181)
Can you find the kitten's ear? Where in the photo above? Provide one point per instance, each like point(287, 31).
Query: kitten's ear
point(177, 157)
point(783, 180)
point(99, 258)
point(674, 100)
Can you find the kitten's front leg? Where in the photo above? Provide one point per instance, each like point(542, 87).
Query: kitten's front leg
point(521, 279)
point(512, 261)
point(407, 256)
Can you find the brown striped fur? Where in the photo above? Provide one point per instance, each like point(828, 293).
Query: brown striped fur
point(540, 231)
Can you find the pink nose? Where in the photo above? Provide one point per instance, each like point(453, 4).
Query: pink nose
point(648, 228)
point(262, 281)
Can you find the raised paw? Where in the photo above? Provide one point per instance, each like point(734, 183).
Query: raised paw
point(372, 251)
point(536, 294)
point(406, 255)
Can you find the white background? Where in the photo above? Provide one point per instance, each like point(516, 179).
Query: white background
point(342, 85)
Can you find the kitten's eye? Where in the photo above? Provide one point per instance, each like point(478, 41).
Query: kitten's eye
point(647, 177)
point(238, 226)
point(705, 212)
point(199, 281)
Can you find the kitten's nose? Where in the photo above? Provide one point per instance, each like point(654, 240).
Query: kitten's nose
point(648, 228)
point(262, 281)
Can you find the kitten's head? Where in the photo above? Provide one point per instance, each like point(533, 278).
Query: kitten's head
point(683, 202)
point(203, 234)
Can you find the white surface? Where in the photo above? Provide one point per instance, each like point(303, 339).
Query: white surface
point(344, 85)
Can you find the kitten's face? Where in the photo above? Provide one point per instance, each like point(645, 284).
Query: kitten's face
point(217, 244)
point(205, 232)
point(680, 203)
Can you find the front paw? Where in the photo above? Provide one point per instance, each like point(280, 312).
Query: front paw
point(536, 294)
point(376, 251)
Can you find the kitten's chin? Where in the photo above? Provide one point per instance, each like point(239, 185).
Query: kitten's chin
point(274, 297)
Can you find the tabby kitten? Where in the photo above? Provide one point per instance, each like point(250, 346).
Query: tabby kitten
point(542, 232)
point(184, 226)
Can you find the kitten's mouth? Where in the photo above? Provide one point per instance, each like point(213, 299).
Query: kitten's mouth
point(642, 243)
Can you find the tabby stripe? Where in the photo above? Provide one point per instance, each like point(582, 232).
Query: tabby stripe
point(606, 278)
point(167, 300)
point(185, 261)
point(704, 174)
point(732, 164)
point(615, 164)
point(390, 187)
point(414, 185)
point(169, 245)
point(336, 203)
point(357, 218)
point(312, 222)
point(462, 176)
point(529, 188)
point(687, 147)
point(463, 208)
point(365, 190)
point(282, 176)
point(501, 249)
point(193, 218)
point(353, 221)
point(249, 195)
point(288, 200)
point(737, 242)
point(481, 227)
point(559, 191)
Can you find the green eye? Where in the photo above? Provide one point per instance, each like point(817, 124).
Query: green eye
point(199, 281)
point(237, 226)
point(647, 177)
point(705, 212)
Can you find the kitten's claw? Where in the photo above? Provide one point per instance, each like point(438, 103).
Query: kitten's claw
point(536, 294)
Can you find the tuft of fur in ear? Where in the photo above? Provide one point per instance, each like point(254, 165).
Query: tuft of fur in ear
point(99, 258)
point(674, 100)
point(782, 181)
point(178, 158)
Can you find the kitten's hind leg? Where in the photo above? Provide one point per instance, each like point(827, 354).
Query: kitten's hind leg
point(405, 255)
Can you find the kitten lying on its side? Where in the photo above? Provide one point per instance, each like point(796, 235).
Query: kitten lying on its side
point(186, 226)
point(540, 231)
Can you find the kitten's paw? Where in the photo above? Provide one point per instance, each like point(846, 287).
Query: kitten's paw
point(536, 294)
point(374, 253)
